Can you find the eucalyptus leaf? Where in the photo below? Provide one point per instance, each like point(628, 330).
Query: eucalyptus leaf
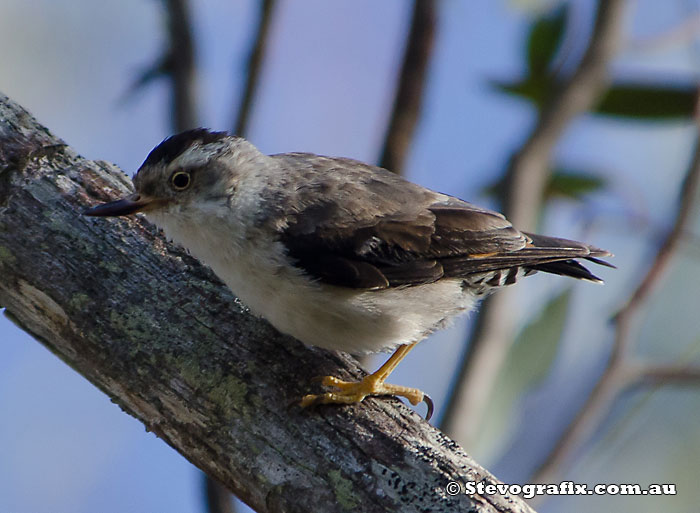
point(544, 40)
point(533, 89)
point(573, 184)
point(527, 364)
point(563, 183)
point(649, 101)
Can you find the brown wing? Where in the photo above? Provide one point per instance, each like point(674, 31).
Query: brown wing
point(371, 229)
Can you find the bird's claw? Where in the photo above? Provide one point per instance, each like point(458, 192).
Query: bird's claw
point(431, 406)
point(348, 392)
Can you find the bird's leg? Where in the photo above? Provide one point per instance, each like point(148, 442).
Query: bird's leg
point(349, 392)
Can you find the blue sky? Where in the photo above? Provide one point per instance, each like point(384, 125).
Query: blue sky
point(326, 87)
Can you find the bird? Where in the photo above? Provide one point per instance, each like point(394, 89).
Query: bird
point(337, 253)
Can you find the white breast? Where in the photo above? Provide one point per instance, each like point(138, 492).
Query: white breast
point(259, 274)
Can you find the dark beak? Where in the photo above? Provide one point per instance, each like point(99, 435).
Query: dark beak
point(122, 207)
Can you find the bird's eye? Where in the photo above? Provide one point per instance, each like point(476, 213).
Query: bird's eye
point(180, 180)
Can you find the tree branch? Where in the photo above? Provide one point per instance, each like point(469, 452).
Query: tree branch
point(619, 372)
point(669, 375)
point(217, 497)
point(164, 339)
point(409, 93)
point(523, 192)
point(255, 59)
point(529, 169)
point(180, 64)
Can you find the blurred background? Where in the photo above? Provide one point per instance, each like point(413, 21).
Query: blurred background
point(577, 118)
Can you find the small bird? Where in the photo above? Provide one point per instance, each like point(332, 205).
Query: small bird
point(334, 252)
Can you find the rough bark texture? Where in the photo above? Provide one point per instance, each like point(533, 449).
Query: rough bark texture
point(164, 339)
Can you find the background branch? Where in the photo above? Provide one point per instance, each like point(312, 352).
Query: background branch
point(669, 375)
point(217, 497)
point(180, 64)
point(411, 84)
point(257, 53)
point(524, 185)
point(160, 335)
point(620, 371)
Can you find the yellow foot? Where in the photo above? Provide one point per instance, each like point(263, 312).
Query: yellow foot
point(349, 392)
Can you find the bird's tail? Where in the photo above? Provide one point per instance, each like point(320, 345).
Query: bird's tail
point(548, 254)
point(568, 267)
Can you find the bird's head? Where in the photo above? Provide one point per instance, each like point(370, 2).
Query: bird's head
point(197, 167)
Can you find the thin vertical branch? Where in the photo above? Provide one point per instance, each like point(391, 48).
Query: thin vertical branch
point(409, 92)
point(255, 59)
point(180, 64)
point(524, 187)
point(218, 498)
point(529, 169)
point(620, 372)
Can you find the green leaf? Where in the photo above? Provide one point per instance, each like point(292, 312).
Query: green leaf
point(572, 184)
point(493, 189)
point(544, 40)
point(536, 345)
point(655, 102)
point(531, 89)
point(649, 101)
point(563, 183)
point(526, 365)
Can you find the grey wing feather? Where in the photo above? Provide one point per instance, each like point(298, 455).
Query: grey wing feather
point(360, 226)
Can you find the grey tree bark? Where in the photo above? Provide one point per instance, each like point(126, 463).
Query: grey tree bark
point(167, 342)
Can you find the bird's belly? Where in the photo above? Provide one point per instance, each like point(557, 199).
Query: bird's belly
point(351, 320)
point(322, 315)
